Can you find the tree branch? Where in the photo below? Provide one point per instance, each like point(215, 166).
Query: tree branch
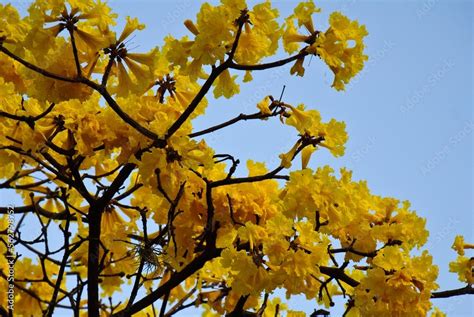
point(197, 99)
point(174, 281)
point(74, 51)
point(216, 71)
point(268, 65)
point(124, 173)
point(250, 179)
point(179, 304)
point(30, 120)
point(239, 307)
point(467, 290)
point(123, 115)
point(240, 117)
point(136, 285)
point(38, 69)
point(64, 260)
point(111, 101)
point(93, 304)
point(338, 273)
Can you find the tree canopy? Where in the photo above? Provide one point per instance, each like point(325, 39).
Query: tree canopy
point(98, 140)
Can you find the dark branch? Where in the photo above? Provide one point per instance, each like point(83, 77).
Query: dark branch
point(207, 85)
point(38, 69)
point(75, 52)
point(30, 120)
point(174, 281)
point(339, 274)
point(250, 179)
point(240, 117)
point(268, 65)
point(467, 290)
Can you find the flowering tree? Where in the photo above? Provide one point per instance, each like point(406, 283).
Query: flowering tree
point(98, 141)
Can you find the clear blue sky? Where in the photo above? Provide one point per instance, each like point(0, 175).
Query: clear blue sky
point(408, 114)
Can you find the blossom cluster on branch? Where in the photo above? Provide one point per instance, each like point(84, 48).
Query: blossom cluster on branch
point(98, 141)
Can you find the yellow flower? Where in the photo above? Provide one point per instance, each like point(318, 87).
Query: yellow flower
point(191, 27)
point(306, 155)
point(342, 48)
point(225, 237)
point(437, 313)
point(99, 14)
point(335, 137)
point(113, 228)
point(253, 45)
point(303, 120)
point(264, 106)
point(401, 287)
point(245, 276)
point(390, 258)
point(251, 233)
point(291, 37)
point(141, 65)
point(225, 85)
point(459, 245)
point(303, 12)
point(213, 32)
point(463, 266)
point(131, 26)
point(286, 158)
point(13, 29)
point(248, 76)
point(260, 36)
point(111, 284)
point(298, 68)
point(274, 306)
point(263, 18)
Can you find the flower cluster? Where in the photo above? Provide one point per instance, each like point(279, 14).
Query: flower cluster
point(98, 139)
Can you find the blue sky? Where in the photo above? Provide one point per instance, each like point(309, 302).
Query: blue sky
point(408, 114)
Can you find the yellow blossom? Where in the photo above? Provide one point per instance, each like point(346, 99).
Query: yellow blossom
point(463, 266)
point(264, 106)
point(225, 85)
point(459, 245)
point(342, 48)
